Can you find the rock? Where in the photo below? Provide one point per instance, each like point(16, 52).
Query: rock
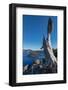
point(37, 61)
point(25, 68)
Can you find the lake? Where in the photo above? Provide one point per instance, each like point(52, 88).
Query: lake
point(28, 59)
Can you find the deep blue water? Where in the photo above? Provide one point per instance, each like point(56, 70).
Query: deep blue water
point(29, 59)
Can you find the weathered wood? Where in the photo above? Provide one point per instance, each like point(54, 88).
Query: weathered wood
point(49, 55)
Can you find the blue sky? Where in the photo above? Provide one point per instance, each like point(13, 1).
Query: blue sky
point(34, 27)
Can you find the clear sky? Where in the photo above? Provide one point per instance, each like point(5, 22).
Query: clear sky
point(34, 27)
